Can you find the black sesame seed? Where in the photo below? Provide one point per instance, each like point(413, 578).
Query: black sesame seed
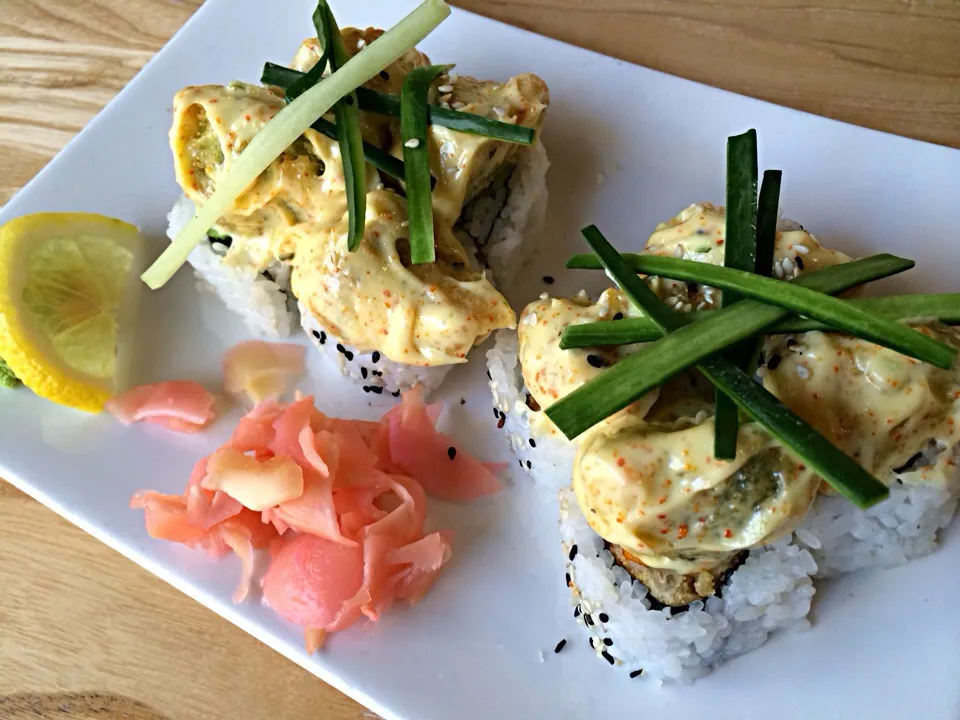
point(451, 452)
point(548, 279)
point(384, 74)
point(618, 316)
point(489, 376)
point(692, 288)
point(363, 373)
point(533, 443)
point(268, 276)
point(587, 619)
point(366, 388)
point(501, 421)
point(529, 465)
point(576, 611)
point(377, 390)
point(591, 638)
point(636, 673)
point(376, 373)
point(396, 393)
point(463, 401)
point(799, 261)
point(608, 657)
point(573, 552)
point(560, 645)
point(604, 617)
point(774, 361)
point(520, 463)
point(375, 358)
point(323, 337)
point(341, 349)
point(316, 334)
point(608, 642)
point(596, 361)
point(569, 580)
point(791, 343)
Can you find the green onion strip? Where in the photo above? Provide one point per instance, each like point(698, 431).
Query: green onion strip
point(416, 160)
point(793, 296)
point(739, 253)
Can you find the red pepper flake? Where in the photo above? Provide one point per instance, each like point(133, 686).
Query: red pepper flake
point(719, 242)
point(662, 500)
point(385, 293)
point(682, 531)
point(836, 369)
point(621, 462)
point(247, 118)
point(664, 531)
point(801, 467)
point(728, 533)
point(661, 516)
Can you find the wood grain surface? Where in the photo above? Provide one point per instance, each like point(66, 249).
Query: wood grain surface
point(85, 633)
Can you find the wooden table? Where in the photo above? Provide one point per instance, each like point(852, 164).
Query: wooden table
point(85, 633)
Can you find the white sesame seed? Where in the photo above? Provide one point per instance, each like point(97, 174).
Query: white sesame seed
point(361, 43)
point(702, 305)
point(796, 271)
point(803, 372)
point(412, 143)
point(673, 301)
point(405, 223)
point(458, 105)
point(678, 251)
point(379, 186)
point(802, 249)
point(500, 111)
point(445, 89)
point(778, 269)
point(544, 296)
point(788, 265)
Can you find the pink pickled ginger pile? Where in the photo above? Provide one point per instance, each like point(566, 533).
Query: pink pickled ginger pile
point(340, 504)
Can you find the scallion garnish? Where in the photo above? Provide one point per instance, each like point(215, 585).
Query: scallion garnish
point(945, 308)
point(387, 104)
point(801, 300)
point(347, 115)
point(839, 470)
point(416, 160)
point(289, 124)
point(739, 253)
point(644, 370)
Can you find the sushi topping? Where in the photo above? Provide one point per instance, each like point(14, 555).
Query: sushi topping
point(341, 504)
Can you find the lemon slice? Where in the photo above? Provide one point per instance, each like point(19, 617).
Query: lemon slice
point(68, 291)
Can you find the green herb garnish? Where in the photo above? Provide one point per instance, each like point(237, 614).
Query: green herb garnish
point(797, 298)
point(644, 370)
point(8, 378)
point(416, 159)
point(347, 115)
point(739, 253)
point(835, 467)
point(901, 308)
point(387, 104)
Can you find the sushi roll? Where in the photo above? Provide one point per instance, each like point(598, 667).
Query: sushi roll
point(677, 561)
point(276, 258)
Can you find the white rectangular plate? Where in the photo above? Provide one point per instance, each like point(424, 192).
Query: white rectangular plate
point(630, 148)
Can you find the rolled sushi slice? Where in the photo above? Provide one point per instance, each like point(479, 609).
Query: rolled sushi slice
point(675, 567)
point(898, 417)
point(389, 324)
point(528, 371)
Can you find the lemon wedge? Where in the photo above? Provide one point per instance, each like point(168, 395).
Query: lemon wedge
point(68, 292)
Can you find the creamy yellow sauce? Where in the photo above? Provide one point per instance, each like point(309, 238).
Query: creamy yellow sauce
point(658, 492)
point(373, 298)
point(699, 233)
point(464, 164)
point(296, 211)
point(551, 373)
point(212, 125)
point(878, 406)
